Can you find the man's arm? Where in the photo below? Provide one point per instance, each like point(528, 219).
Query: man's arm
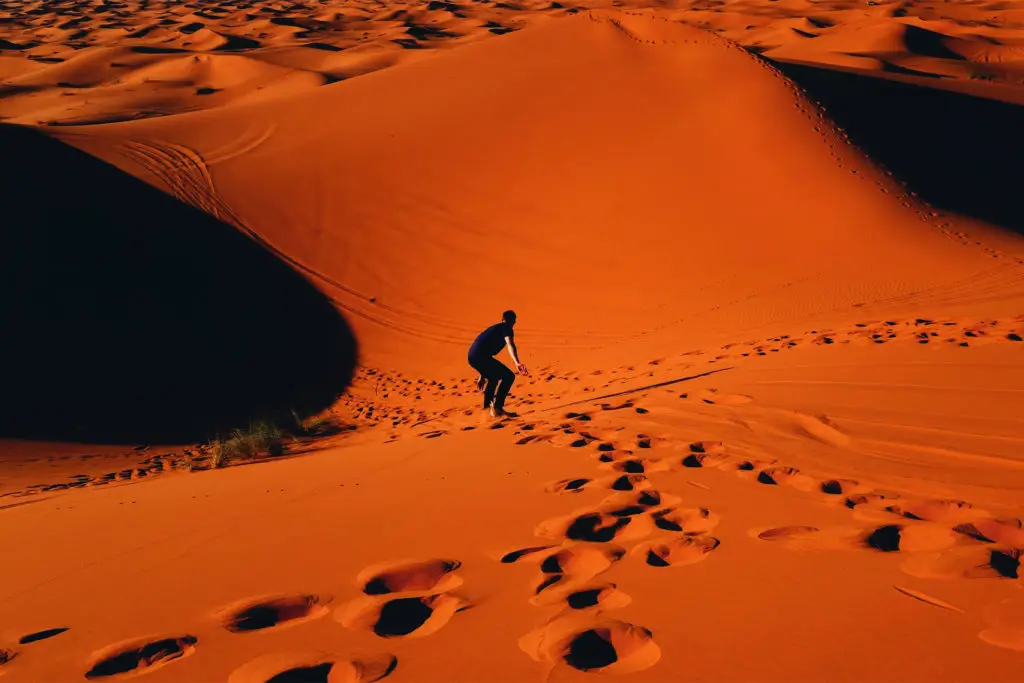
point(514, 352)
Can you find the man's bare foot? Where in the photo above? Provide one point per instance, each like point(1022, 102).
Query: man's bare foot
point(499, 412)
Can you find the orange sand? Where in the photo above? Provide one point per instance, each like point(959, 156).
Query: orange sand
point(773, 429)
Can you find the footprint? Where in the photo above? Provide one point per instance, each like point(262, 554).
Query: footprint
point(887, 538)
point(517, 555)
point(614, 456)
point(1006, 531)
point(41, 635)
point(270, 611)
point(616, 518)
point(400, 617)
point(6, 656)
point(985, 562)
point(567, 486)
point(629, 482)
point(635, 502)
point(1006, 624)
point(605, 596)
point(701, 459)
point(138, 656)
point(608, 647)
point(599, 648)
point(630, 466)
point(838, 487)
point(582, 561)
point(313, 667)
point(426, 576)
point(677, 552)
point(945, 511)
point(569, 570)
point(869, 505)
point(595, 527)
point(685, 520)
point(785, 476)
point(820, 428)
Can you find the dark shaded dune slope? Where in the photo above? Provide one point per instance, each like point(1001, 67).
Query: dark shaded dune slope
point(961, 153)
point(130, 316)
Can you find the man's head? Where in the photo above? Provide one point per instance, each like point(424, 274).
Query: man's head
point(509, 317)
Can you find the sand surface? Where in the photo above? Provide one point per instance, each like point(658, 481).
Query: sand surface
point(769, 269)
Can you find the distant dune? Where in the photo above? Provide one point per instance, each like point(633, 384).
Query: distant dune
point(111, 61)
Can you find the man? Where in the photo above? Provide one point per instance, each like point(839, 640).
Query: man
point(496, 379)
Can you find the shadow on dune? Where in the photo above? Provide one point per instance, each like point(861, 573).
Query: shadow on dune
point(960, 153)
point(128, 316)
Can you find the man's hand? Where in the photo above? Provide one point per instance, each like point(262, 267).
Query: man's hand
point(522, 370)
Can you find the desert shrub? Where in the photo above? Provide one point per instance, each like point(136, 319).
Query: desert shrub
point(260, 438)
point(316, 425)
point(218, 455)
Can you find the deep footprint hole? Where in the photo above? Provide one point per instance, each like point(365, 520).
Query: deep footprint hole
point(590, 650)
point(584, 599)
point(142, 657)
point(649, 498)
point(271, 613)
point(593, 527)
point(626, 482)
point(516, 555)
point(421, 576)
point(885, 538)
point(628, 511)
point(667, 524)
point(306, 674)
point(1006, 563)
point(550, 565)
point(832, 487)
point(401, 617)
point(631, 466)
point(656, 560)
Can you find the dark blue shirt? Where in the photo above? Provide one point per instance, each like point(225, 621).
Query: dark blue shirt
point(491, 340)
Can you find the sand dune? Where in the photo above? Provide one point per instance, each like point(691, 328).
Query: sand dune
point(971, 43)
point(774, 314)
point(383, 165)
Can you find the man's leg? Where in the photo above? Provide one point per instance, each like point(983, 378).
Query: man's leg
point(486, 367)
point(507, 377)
